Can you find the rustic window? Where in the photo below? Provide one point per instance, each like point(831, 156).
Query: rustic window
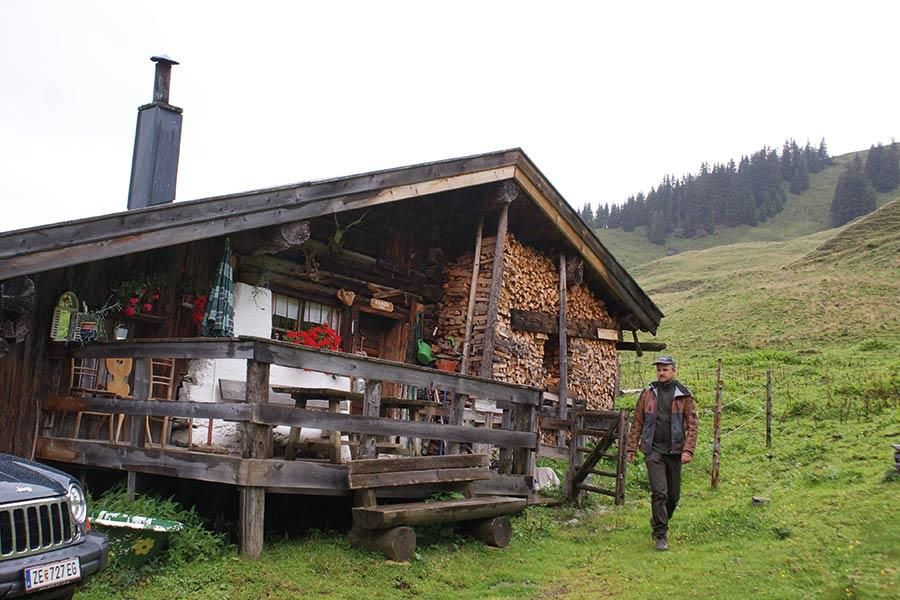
point(296, 314)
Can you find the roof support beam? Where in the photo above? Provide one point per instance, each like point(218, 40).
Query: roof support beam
point(82, 241)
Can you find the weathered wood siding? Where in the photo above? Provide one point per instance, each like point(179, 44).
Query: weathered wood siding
point(28, 374)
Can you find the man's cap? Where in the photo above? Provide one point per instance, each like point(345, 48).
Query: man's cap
point(665, 360)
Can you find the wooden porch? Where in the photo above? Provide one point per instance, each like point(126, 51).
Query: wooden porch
point(256, 470)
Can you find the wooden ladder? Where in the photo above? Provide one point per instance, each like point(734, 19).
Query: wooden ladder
point(608, 428)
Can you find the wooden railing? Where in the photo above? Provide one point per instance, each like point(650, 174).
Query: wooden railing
point(256, 470)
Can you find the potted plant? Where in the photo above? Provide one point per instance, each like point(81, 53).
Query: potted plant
point(447, 358)
point(93, 324)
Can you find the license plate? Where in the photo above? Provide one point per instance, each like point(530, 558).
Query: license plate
point(51, 574)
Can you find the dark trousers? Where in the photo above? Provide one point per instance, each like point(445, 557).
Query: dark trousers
point(664, 472)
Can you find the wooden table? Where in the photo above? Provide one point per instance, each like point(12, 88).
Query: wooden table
point(302, 395)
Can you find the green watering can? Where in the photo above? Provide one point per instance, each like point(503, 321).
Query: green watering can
point(423, 352)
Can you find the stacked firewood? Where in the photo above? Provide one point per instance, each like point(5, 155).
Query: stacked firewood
point(592, 372)
point(452, 309)
point(519, 358)
point(582, 304)
point(530, 282)
point(531, 277)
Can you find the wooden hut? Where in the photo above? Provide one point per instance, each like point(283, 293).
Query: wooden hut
point(477, 261)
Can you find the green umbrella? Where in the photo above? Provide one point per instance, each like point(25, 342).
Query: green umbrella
point(218, 319)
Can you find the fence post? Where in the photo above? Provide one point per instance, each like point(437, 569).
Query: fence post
point(769, 408)
point(717, 426)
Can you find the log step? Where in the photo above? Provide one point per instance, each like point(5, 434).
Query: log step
point(423, 513)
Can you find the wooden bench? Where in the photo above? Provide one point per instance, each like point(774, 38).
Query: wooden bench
point(388, 528)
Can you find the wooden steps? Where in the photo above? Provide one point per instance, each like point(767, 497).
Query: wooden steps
point(609, 434)
point(426, 513)
point(388, 528)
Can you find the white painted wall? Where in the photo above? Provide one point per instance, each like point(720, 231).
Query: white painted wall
point(252, 316)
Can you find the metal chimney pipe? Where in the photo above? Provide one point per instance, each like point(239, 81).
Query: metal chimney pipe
point(163, 77)
point(157, 141)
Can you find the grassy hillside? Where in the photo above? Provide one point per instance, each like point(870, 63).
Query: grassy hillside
point(818, 291)
point(821, 311)
point(803, 215)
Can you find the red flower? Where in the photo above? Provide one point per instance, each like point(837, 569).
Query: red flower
point(129, 311)
point(155, 296)
point(132, 301)
point(320, 336)
point(148, 307)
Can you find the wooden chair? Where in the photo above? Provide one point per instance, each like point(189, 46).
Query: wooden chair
point(162, 387)
point(84, 380)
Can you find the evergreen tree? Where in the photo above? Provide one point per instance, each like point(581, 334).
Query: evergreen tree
point(873, 163)
point(787, 167)
point(656, 232)
point(615, 217)
point(601, 217)
point(889, 174)
point(587, 215)
point(853, 195)
point(812, 159)
point(745, 202)
point(822, 154)
point(800, 176)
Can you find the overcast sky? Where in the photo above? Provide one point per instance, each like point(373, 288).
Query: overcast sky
point(606, 100)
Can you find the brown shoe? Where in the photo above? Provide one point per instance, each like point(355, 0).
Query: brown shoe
point(662, 544)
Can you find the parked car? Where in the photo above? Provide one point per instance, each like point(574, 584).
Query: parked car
point(47, 548)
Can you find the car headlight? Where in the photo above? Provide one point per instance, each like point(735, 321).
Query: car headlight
point(77, 503)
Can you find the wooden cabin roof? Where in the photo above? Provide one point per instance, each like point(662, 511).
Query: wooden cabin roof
point(46, 247)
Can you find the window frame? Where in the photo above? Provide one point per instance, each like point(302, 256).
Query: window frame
point(277, 333)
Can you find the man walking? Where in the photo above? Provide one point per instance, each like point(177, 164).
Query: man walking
point(665, 423)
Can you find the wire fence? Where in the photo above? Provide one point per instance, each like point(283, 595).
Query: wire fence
point(817, 389)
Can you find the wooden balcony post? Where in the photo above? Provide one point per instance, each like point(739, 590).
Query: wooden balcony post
point(457, 410)
point(487, 354)
point(505, 465)
point(524, 419)
point(371, 408)
point(137, 430)
point(256, 445)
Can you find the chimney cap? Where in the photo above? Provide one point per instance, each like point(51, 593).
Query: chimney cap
point(164, 59)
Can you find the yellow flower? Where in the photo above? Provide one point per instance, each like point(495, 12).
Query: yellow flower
point(143, 546)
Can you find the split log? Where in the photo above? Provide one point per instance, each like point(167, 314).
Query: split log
point(271, 240)
point(398, 543)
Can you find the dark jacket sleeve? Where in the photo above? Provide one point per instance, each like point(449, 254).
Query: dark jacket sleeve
point(690, 426)
point(637, 424)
